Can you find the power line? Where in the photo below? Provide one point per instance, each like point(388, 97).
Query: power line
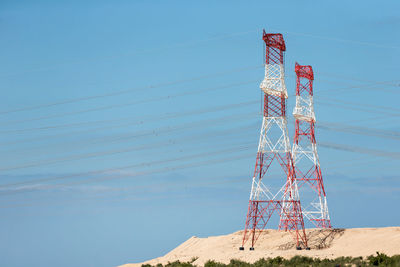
point(336, 127)
point(133, 103)
point(148, 173)
point(344, 40)
point(157, 162)
point(362, 150)
point(360, 130)
point(99, 153)
point(174, 45)
point(161, 170)
point(125, 104)
point(325, 125)
point(121, 92)
point(336, 146)
point(144, 133)
point(380, 108)
point(127, 91)
point(158, 117)
point(394, 83)
point(354, 107)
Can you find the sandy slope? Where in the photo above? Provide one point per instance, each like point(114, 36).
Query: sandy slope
point(272, 243)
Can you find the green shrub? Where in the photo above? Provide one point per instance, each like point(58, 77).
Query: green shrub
point(277, 261)
point(380, 259)
point(264, 263)
point(238, 263)
point(178, 264)
point(214, 264)
point(299, 261)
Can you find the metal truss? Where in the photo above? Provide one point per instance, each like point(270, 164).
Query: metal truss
point(305, 156)
point(267, 143)
point(274, 82)
point(274, 145)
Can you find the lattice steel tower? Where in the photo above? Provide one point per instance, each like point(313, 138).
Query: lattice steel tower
point(305, 156)
point(274, 145)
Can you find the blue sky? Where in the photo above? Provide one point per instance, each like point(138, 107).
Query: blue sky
point(130, 126)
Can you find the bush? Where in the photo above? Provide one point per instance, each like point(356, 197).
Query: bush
point(179, 264)
point(299, 261)
point(214, 264)
point(380, 259)
point(238, 263)
point(264, 263)
point(277, 261)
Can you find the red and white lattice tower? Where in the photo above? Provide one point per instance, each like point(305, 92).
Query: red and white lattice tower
point(273, 146)
point(305, 156)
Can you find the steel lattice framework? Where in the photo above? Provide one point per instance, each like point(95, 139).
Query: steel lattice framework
point(305, 156)
point(274, 145)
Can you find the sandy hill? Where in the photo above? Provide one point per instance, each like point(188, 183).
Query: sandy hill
point(324, 244)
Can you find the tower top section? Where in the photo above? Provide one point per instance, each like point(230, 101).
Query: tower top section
point(274, 40)
point(304, 71)
point(274, 79)
point(305, 78)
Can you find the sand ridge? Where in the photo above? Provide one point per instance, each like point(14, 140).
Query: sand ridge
point(329, 243)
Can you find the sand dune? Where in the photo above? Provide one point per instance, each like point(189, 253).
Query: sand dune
point(324, 244)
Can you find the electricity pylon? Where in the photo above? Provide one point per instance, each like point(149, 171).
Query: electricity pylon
point(274, 146)
point(305, 156)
